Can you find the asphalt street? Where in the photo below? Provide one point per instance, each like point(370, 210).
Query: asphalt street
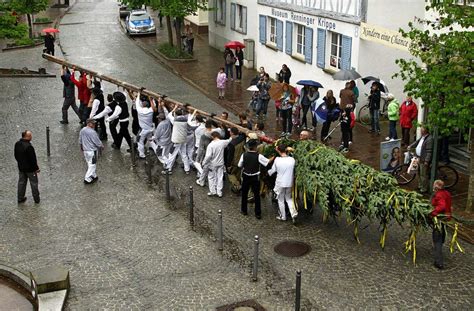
point(127, 249)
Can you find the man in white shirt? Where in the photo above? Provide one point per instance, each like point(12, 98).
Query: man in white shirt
point(214, 160)
point(424, 151)
point(145, 109)
point(284, 167)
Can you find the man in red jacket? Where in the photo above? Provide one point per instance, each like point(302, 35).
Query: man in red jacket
point(441, 202)
point(83, 93)
point(408, 113)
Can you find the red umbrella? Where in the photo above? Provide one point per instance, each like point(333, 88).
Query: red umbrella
point(50, 30)
point(234, 44)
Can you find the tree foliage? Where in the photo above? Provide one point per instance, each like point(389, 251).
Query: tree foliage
point(444, 78)
point(8, 26)
point(173, 8)
point(28, 6)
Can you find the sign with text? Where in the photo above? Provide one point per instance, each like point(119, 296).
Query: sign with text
point(384, 36)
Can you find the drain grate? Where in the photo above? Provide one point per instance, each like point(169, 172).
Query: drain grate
point(292, 248)
point(247, 305)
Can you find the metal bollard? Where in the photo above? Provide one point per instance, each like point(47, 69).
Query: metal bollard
point(48, 145)
point(255, 259)
point(167, 187)
point(133, 152)
point(220, 233)
point(298, 291)
point(191, 206)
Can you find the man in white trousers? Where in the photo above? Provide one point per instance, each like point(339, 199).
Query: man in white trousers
point(145, 109)
point(179, 135)
point(161, 141)
point(284, 167)
point(90, 145)
point(214, 161)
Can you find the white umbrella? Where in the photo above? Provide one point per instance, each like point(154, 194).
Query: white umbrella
point(253, 88)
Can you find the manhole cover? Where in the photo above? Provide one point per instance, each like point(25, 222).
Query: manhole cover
point(292, 248)
point(247, 305)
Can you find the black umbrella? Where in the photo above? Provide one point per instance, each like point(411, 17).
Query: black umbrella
point(382, 86)
point(310, 83)
point(346, 75)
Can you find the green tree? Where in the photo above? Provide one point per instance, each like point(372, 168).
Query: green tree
point(28, 7)
point(9, 28)
point(444, 78)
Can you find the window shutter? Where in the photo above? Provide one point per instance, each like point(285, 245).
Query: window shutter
point(289, 37)
point(346, 52)
point(321, 49)
point(262, 27)
point(244, 19)
point(224, 11)
point(232, 16)
point(308, 45)
point(214, 2)
point(279, 38)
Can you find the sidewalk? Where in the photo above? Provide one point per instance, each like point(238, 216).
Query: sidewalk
point(202, 73)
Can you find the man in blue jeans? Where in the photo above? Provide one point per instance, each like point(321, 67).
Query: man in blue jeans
point(374, 107)
point(264, 86)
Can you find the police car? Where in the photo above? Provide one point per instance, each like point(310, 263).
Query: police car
point(139, 22)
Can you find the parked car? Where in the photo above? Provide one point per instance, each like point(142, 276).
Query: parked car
point(139, 22)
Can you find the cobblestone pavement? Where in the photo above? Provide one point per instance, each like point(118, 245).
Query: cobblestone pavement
point(125, 252)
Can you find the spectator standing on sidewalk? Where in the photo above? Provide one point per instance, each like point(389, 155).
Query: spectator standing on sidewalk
point(355, 90)
point(250, 163)
point(239, 62)
point(331, 104)
point(49, 43)
point(423, 150)
point(374, 108)
point(68, 95)
point(393, 116)
point(188, 30)
point(408, 114)
point(284, 166)
point(220, 81)
point(90, 146)
point(284, 75)
point(345, 128)
point(229, 60)
point(441, 202)
point(27, 167)
point(287, 101)
point(308, 95)
point(264, 86)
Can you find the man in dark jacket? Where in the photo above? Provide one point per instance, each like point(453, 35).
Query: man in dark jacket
point(374, 108)
point(285, 74)
point(27, 166)
point(423, 150)
point(69, 95)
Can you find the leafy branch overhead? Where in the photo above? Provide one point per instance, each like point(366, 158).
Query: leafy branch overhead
point(173, 8)
point(441, 74)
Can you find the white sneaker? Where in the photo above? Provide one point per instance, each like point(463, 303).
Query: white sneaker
point(281, 218)
point(219, 195)
point(211, 194)
point(202, 184)
point(392, 139)
point(387, 138)
point(350, 142)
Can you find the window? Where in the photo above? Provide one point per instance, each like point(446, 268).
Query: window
point(238, 18)
point(220, 12)
point(272, 30)
point(299, 39)
point(336, 50)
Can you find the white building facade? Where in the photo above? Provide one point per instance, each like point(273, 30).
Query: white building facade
point(316, 38)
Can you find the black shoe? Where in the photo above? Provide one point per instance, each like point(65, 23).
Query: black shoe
point(63, 122)
point(129, 150)
point(114, 146)
point(37, 201)
point(440, 267)
point(243, 213)
point(94, 180)
point(87, 182)
point(22, 200)
point(294, 220)
point(371, 131)
point(258, 216)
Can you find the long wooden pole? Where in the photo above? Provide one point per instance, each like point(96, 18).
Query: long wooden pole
point(169, 101)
